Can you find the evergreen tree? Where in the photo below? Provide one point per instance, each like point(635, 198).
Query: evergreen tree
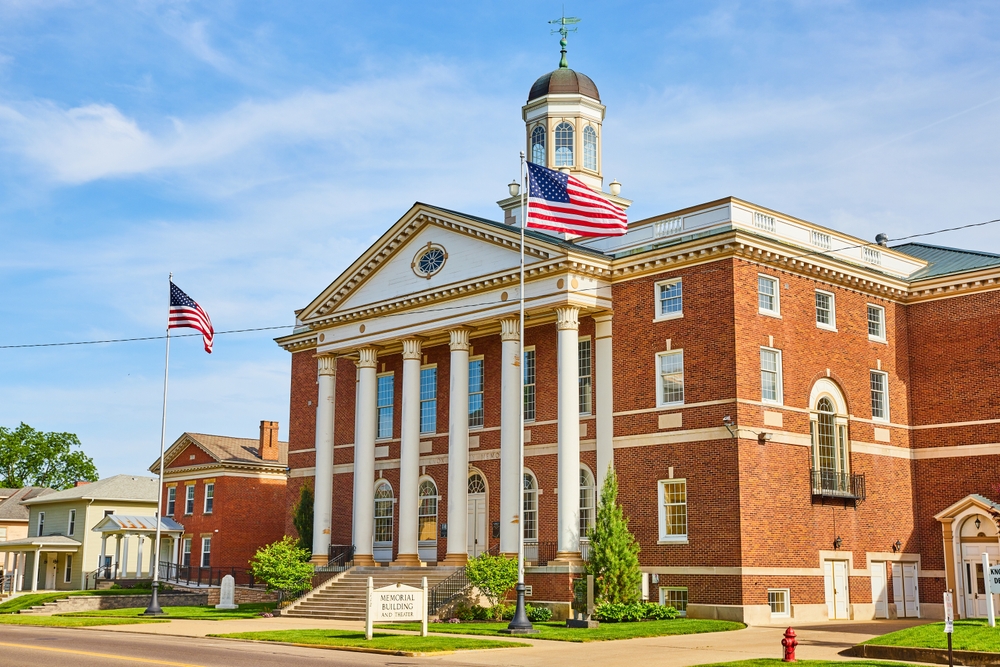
point(302, 518)
point(614, 552)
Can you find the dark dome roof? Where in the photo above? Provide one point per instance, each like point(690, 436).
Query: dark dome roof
point(566, 81)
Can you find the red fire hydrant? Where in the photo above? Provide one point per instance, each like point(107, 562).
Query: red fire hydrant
point(789, 642)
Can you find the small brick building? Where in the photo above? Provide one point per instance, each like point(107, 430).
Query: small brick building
point(803, 423)
point(224, 492)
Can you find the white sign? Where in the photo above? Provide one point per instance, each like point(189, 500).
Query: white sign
point(949, 614)
point(397, 603)
point(995, 579)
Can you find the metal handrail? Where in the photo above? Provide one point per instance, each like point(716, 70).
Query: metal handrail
point(205, 576)
point(835, 484)
point(446, 591)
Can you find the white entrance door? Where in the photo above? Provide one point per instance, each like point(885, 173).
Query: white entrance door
point(905, 591)
point(50, 571)
point(975, 580)
point(835, 582)
point(880, 590)
point(477, 524)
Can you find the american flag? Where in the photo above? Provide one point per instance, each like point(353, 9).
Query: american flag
point(560, 203)
point(185, 312)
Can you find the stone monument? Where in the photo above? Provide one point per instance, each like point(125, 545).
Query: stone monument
point(226, 592)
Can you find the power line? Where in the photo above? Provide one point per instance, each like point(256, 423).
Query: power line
point(481, 303)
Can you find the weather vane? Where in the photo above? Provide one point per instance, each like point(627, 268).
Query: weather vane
point(564, 31)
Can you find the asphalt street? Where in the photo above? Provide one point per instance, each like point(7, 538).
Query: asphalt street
point(62, 647)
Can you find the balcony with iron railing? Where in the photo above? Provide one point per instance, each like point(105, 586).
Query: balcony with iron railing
point(837, 485)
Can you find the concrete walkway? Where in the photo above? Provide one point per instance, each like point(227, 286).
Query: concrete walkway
point(822, 641)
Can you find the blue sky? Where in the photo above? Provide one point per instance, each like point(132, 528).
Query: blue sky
point(256, 149)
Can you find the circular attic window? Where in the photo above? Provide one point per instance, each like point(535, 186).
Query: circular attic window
point(429, 260)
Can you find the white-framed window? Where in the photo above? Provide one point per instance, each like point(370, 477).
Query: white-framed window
point(530, 507)
point(209, 497)
point(477, 409)
point(586, 372)
point(830, 453)
point(71, 528)
point(588, 501)
point(529, 384)
point(68, 573)
point(206, 552)
point(673, 510)
point(564, 145)
point(676, 597)
point(428, 399)
point(186, 552)
point(880, 395)
point(384, 500)
point(3, 533)
point(826, 310)
point(669, 299)
point(427, 512)
point(538, 146)
point(770, 375)
point(41, 524)
point(768, 295)
point(876, 323)
point(589, 148)
point(189, 499)
point(386, 392)
point(670, 377)
point(779, 600)
point(171, 500)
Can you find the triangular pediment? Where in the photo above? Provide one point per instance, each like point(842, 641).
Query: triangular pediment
point(474, 250)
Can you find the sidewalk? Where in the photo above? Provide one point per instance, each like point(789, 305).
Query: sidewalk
point(822, 641)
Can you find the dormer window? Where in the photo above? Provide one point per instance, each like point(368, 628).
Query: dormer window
point(589, 148)
point(538, 146)
point(564, 145)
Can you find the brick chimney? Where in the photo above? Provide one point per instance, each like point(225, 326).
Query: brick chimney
point(80, 482)
point(268, 450)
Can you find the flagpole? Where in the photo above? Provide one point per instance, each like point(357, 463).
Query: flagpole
point(520, 623)
point(154, 603)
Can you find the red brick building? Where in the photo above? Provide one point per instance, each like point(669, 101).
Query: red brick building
point(223, 491)
point(803, 423)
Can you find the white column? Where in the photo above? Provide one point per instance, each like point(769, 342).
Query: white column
point(104, 551)
point(568, 325)
point(323, 481)
point(511, 474)
point(118, 555)
point(138, 558)
point(605, 395)
point(458, 449)
point(34, 573)
point(125, 556)
point(409, 455)
point(364, 456)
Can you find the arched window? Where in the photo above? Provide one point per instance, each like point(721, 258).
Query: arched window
point(477, 484)
point(427, 514)
point(589, 148)
point(829, 448)
point(538, 146)
point(383, 512)
point(530, 507)
point(564, 145)
point(587, 504)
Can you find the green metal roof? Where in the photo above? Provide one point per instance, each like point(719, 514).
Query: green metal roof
point(944, 261)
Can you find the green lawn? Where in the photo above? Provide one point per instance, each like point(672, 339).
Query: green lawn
point(62, 621)
point(557, 630)
point(774, 662)
point(353, 638)
point(970, 635)
point(206, 613)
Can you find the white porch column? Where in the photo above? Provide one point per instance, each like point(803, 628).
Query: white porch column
point(458, 449)
point(104, 551)
point(118, 555)
point(138, 558)
point(409, 455)
point(364, 457)
point(511, 474)
point(568, 325)
point(175, 549)
point(34, 573)
point(125, 556)
point(605, 395)
point(323, 481)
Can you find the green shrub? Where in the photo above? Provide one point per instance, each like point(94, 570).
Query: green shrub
point(283, 566)
point(618, 612)
point(538, 614)
point(494, 576)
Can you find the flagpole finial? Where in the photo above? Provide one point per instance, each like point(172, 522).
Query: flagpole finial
point(564, 31)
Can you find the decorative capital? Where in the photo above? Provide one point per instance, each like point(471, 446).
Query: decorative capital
point(459, 339)
point(368, 357)
point(327, 364)
point(567, 317)
point(510, 328)
point(411, 348)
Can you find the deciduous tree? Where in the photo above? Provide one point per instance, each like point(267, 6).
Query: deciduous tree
point(35, 458)
point(283, 566)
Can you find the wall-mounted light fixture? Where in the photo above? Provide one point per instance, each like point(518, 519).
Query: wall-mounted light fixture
point(837, 542)
point(978, 523)
point(896, 546)
point(514, 188)
point(727, 421)
point(764, 437)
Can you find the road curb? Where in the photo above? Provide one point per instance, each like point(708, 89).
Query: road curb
point(920, 654)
